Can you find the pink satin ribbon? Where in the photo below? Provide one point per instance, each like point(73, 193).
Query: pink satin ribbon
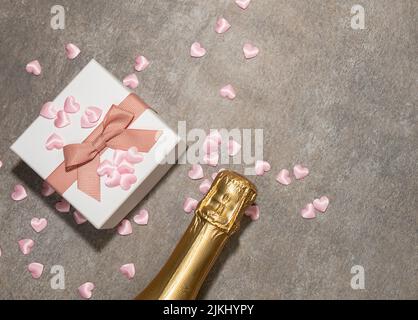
point(82, 160)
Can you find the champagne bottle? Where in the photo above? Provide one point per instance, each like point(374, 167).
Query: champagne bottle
point(217, 216)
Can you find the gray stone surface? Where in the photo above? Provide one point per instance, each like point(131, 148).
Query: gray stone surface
point(343, 102)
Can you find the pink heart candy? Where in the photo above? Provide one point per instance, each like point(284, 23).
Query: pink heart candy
point(125, 167)
point(196, 172)
point(250, 51)
point(62, 120)
point(19, 193)
point(215, 136)
point(125, 227)
point(1, 163)
point(47, 190)
point(63, 206)
point(54, 141)
point(85, 290)
point(85, 123)
point(127, 180)
point(72, 51)
point(283, 177)
point(105, 168)
point(113, 179)
point(211, 159)
point(133, 155)
point(300, 172)
point(228, 92)
point(36, 269)
point(142, 217)
point(253, 212)
point(131, 81)
point(308, 212)
point(205, 186)
point(119, 156)
point(261, 167)
point(141, 63)
point(222, 25)
point(26, 245)
point(189, 205)
point(128, 270)
point(93, 114)
point(233, 147)
point(196, 50)
point(243, 4)
point(321, 204)
point(71, 105)
point(210, 145)
point(34, 67)
point(38, 224)
point(78, 217)
point(48, 111)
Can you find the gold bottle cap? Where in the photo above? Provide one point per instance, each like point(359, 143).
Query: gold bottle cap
point(226, 200)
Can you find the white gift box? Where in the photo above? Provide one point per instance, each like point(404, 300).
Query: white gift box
point(95, 86)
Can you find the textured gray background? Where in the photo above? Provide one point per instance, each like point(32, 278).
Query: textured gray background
point(342, 102)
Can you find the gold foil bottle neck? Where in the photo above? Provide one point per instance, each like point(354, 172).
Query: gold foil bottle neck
point(226, 201)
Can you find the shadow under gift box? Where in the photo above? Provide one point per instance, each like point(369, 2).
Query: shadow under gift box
point(95, 86)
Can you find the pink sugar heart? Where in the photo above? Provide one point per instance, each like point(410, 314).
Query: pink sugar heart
point(196, 172)
point(85, 290)
point(47, 190)
point(125, 227)
point(222, 25)
point(210, 145)
point(26, 245)
point(189, 205)
point(62, 120)
point(253, 212)
point(1, 163)
point(36, 269)
point(48, 110)
point(38, 224)
point(113, 179)
point(205, 186)
point(216, 173)
point(141, 63)
point(308, 212)
point(19, 193)
point(133, 155)
point(71, 105)
point(233, 147)
point(34, 67)
point(93, 114)
point(127, 180)
point(215, 136)
point(72, 51)
point(105, 168)
point(54, 141)
point(78, 217)
point(300, 172)
point(131, 81)
point(118, 156)
point(243, 4)
point(128, 270)
point(321, 204)
point(125, 167)
point(196, 50)
point(63, 206)
point(228, 92)
point(250, 51)
point(211, 159)
point(261, 167)
point(142, 217)
point(85, 123)
point(283, 177)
